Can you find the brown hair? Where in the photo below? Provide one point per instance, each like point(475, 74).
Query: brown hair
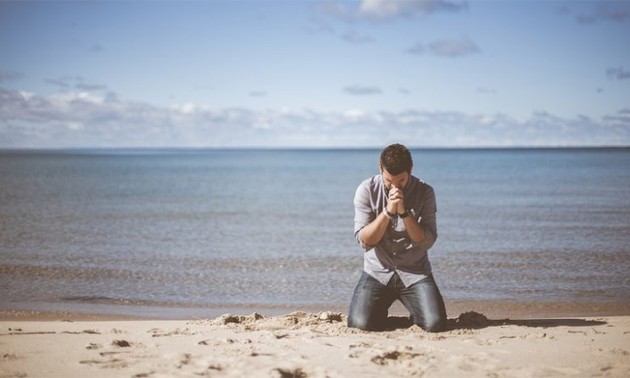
point(396, 159)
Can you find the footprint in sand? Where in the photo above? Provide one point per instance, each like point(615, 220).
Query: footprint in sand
point(290, 373)
point(93, 346)
point(121, 343)
point(394, 357)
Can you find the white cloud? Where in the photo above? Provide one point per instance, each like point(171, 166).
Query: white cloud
point(385, 10)
point(87, 120)
point(75, 126)
point(353, 114)
point(85, 97)
point(187, 108)
point(388, 9)
point(381, 8)
point(26, 95)
point(373, 11)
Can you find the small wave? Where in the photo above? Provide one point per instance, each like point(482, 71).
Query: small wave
point(96, 299)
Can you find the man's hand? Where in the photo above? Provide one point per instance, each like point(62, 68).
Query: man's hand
point(396, 204)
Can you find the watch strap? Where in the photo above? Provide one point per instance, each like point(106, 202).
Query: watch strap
point(389, 215)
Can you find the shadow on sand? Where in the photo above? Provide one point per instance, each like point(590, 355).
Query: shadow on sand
point(475, 320)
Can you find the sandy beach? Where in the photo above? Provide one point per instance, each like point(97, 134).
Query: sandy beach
point(303, 344)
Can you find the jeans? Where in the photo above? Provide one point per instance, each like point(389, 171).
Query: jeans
point(371, 301)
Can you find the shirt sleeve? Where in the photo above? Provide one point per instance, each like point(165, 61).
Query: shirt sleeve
point(363, 213)
point(428, 218)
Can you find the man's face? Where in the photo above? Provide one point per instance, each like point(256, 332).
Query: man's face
point(398, 181)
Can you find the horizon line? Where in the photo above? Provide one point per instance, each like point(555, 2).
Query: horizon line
point(301, 148)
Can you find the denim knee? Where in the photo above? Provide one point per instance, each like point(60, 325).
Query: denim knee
point(433, 324)
point(363, 322)
point(359, 322)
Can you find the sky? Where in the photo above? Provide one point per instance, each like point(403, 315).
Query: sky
point(326, 74)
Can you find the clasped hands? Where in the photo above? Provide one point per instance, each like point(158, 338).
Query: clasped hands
point(396, 203)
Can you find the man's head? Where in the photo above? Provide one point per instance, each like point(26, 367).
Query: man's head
point(396, 165)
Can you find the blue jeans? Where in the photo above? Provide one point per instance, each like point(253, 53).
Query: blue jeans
point(371, 301)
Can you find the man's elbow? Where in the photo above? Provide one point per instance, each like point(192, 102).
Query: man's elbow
point(367, 243)
point(428, 240)
point(359, 237)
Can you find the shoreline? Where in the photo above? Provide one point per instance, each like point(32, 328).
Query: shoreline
point(491, 309)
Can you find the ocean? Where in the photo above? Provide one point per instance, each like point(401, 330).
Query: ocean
point(176, 233)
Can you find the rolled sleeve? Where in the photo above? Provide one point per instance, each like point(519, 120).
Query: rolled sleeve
point(428, 219)
point(363, 214)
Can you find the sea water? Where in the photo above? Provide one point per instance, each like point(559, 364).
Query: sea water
point(126, 230)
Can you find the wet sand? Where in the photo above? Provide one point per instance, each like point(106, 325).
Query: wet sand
point(492, 309)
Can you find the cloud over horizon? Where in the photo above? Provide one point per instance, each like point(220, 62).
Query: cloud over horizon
point(82, 119)
point(326, 73)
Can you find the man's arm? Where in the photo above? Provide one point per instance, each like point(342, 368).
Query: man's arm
point(415, 231)
point(373, 233)
point(369, 228)
point(421, 230)
point(426, 221)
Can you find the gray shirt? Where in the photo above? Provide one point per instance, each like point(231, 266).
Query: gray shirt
point(396, 252)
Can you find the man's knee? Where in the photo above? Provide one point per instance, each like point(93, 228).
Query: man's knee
point(362, 322)
point(359, 322)
point(437, 324)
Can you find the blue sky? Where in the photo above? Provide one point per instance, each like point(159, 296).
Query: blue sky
point(314, 73)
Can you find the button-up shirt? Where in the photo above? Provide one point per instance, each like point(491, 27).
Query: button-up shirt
point(395, 252)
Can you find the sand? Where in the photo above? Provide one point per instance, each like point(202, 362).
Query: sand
point(314, 345)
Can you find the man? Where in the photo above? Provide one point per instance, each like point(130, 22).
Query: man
point(394, 221)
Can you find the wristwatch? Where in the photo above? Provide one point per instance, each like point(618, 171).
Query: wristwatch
point(389, 215)
point(404, 215)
